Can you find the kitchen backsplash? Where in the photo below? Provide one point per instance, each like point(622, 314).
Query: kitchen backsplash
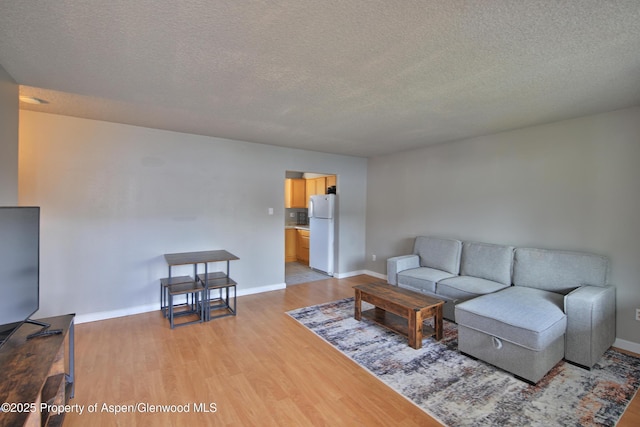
point(296, 217)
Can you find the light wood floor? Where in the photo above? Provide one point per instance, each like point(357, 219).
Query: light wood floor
point(260, 368)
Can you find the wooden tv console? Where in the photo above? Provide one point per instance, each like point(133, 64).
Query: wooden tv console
point(37, 375)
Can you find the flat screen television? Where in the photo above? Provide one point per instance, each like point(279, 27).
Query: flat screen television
point(19, 267)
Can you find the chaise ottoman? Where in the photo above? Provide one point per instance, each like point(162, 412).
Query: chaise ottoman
point(524, 339)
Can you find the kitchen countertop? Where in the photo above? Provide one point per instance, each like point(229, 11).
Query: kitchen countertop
point(297, 227)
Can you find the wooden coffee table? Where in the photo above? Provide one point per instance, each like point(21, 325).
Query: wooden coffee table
point(400, 310)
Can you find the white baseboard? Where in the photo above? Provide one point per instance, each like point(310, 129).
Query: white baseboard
point(627, 345)
point(374, 274)
point(112, 314)
point(348, 274)
point(358, 273)
point(260, 289)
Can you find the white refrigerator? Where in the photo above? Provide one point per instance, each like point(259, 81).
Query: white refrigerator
point(321, 232)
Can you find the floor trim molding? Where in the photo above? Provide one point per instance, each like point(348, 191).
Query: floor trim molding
point(627, 345)
point(358, 273)
point(112, 314)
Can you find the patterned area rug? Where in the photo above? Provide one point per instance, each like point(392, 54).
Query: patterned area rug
point(460, 391)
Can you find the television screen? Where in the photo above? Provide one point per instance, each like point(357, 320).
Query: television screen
point(19, 266)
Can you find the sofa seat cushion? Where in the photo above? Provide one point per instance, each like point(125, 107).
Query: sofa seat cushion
point(421, 279)
point(531, 318)
point(466, 287)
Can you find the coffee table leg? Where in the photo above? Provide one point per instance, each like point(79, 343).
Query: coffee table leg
point(437, 322)
point(415, 329)
point(358, 305)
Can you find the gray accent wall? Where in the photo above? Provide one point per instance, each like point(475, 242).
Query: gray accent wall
point(116, 197)
point(565, 185)
point(8, 140)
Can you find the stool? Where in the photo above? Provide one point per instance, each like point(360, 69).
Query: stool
point(224, 305)
point(192, 291)
point(164, 284)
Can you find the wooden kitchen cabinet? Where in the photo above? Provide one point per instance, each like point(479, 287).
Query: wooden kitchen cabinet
point(310, 188)
point(302, 247)
point(290, 240)
point(315, 186)
point(295, 193)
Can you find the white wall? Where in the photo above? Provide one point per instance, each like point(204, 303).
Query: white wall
point(567, 185)
point(115, 198)
point(8, 140)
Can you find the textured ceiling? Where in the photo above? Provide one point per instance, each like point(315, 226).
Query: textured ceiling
point(351, 77)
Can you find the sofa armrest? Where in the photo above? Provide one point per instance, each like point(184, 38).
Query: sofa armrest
point(591, 323)
point(399, 263)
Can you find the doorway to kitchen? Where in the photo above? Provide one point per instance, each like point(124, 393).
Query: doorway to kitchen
point(295, 273)
point(304, 250)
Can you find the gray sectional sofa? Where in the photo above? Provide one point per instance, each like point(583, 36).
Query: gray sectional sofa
point(521, 309)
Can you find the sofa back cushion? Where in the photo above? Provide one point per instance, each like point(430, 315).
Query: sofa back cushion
point(487, 261)
point(558, 271)
point(441, 254)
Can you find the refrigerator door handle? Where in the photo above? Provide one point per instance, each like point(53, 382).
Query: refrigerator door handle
point(310, 211)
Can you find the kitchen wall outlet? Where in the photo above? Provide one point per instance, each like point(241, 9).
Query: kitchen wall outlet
point(373, 257)
point(270, 211)
point(637, 313)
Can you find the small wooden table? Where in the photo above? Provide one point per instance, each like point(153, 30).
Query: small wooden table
point(203, 283)
point(393, 305)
